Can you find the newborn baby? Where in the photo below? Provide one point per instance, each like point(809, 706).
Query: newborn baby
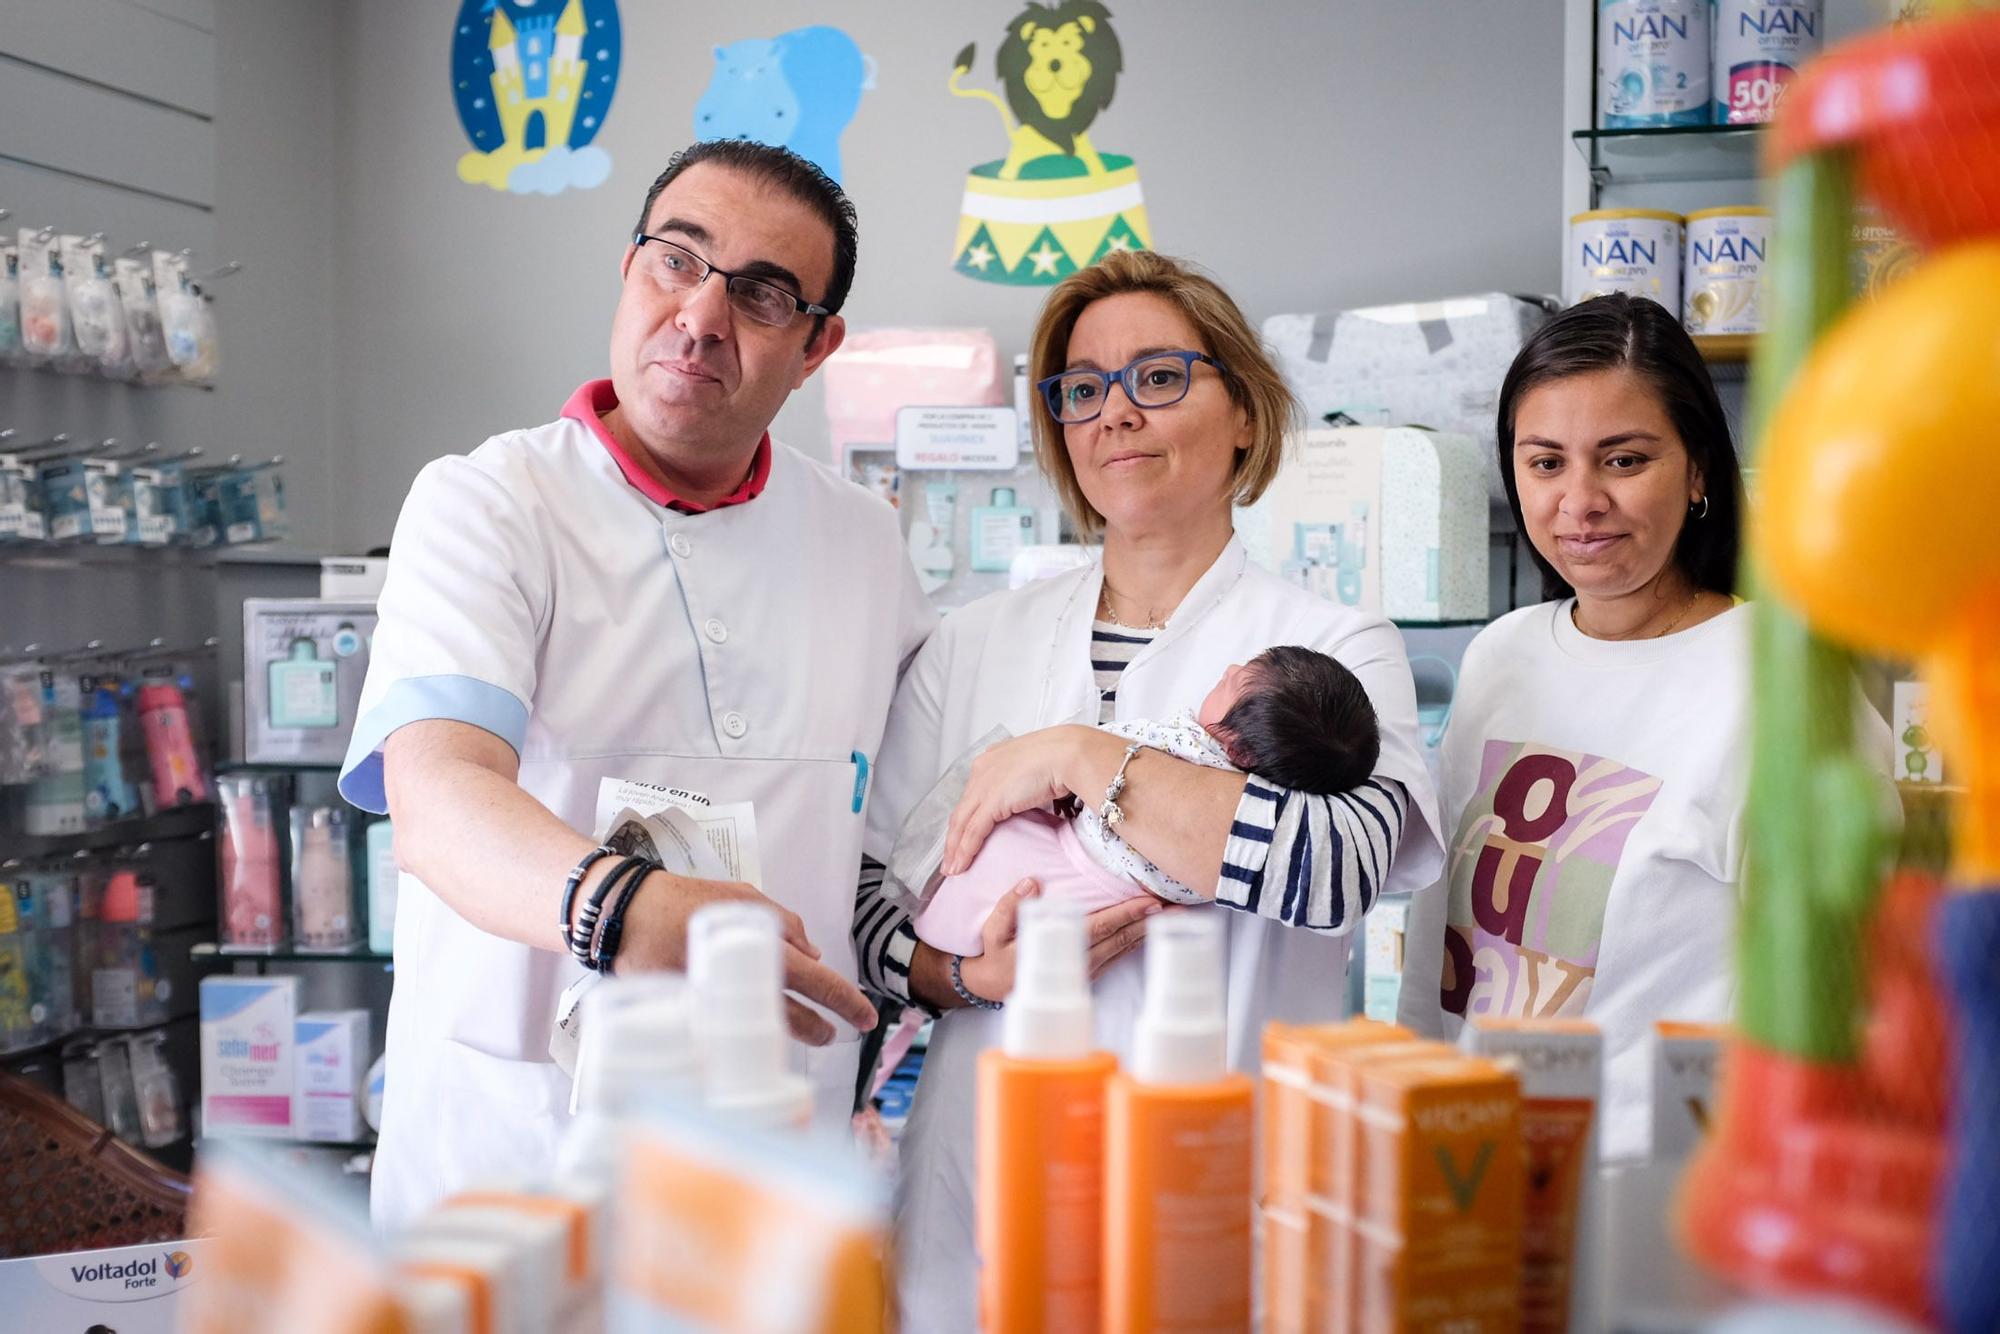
point(1293, 717)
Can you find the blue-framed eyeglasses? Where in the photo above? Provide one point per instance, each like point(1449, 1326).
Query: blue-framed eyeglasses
point(1156, 380)
point(679, 269)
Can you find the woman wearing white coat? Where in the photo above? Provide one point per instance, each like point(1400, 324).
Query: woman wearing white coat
point(1159, 411)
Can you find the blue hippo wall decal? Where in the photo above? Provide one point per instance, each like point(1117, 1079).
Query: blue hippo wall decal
point(797, 90)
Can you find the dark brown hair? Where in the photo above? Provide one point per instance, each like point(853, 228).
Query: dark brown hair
point(1304, 723)
point(786, 171)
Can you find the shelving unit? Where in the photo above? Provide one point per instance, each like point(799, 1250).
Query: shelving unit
point(213, 953)
point(174, 822)
point(1618, 158)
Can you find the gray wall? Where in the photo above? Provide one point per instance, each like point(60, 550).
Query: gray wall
point(185, 123)
point(1313, 153)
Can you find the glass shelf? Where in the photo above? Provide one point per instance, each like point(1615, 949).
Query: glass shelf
point(1671, 153)
point(174, 822)
point(89, 555)
point(212, 952)
point(271, 769)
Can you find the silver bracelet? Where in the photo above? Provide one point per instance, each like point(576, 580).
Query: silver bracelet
point(1110, 812)
point(958, 985)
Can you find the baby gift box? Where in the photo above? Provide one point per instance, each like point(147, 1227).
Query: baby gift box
point(1436, 363)
point(877, 372)
point(1390, 520)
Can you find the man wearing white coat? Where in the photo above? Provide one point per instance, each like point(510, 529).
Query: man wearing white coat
point(648, 588)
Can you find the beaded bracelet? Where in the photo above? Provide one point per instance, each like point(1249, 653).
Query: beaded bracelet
point(958, 985)
point(570, 887)
point(586, 917)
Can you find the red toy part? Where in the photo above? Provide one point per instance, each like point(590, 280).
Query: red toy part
point(1908, 1046)
point(1799, 1191)
point(1922, 106)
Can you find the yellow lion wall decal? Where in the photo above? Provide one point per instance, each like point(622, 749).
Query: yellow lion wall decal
point(1054, 203)
point(1059, 65)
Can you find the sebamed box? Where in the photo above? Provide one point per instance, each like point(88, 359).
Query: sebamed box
point(1389, 520)
point(332, 1060)
point(247, 1045)
point(132, 1289)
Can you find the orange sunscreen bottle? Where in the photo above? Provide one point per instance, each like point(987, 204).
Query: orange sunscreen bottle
point(1560, 1063)
point(1439, 1225)
point(1178, 1144)
point(1040, 1137)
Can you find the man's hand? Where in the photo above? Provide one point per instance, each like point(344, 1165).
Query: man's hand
point(656, 926)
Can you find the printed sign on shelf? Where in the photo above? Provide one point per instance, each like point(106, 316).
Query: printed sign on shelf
point(132, 1289)
point(966, 438)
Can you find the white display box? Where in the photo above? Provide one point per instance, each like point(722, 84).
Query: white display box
point(352, 578)
point(247, 1066)
point(332, 1059)
point(1389, 520)
point(130, 1289)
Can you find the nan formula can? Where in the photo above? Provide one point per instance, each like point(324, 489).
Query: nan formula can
point(1633, 250)
point(1759, 46)
point(1724, 277)
point(1652, 63)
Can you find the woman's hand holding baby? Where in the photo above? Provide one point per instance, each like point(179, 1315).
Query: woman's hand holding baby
point(1110, 934)
point(1022, 774)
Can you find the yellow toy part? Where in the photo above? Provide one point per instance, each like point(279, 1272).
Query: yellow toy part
point(1879, 482)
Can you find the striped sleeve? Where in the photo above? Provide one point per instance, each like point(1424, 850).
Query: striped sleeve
point(885, 940)
point(1312, 861)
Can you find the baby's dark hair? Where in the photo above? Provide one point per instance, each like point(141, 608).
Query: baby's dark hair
point(1304, 723)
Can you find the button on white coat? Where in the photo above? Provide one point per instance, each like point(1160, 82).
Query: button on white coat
point(680, 546)
point(734, 724)
point(716, 631)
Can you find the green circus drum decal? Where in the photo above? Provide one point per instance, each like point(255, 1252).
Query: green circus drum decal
point(1055, 203)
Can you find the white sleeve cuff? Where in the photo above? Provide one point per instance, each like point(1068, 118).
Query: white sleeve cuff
point(416, 699)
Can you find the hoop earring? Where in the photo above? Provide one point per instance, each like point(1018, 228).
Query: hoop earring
point(1704, 509)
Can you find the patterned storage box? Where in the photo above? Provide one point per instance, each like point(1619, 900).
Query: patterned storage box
point(1392, 520)
point(1437, 364)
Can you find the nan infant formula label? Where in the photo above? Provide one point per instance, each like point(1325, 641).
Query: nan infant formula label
point(1724, 276)
point(1631, 250)
point(1652, 63)
point(1759, 46)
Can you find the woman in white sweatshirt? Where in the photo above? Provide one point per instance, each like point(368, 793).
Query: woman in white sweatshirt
point(1595, 768)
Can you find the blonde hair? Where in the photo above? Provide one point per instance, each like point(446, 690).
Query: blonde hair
point(1254, 383)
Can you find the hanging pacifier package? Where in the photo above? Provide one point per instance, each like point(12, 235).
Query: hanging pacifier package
point(94, 309)
point(45, 333)
point(132, 275)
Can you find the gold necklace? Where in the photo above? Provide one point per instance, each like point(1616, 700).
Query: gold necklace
point(1576, 605)
point(1152, 622)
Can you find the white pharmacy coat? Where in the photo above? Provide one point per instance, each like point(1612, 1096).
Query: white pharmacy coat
point(749, 653)
point(1022, 660)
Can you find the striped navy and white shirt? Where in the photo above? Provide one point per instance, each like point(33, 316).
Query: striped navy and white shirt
point(1305, 859)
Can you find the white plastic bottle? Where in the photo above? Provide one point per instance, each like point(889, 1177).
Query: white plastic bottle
point(637, 1045)
point(736, 971)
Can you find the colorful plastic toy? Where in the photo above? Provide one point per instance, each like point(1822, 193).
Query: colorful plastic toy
point(1878, 530)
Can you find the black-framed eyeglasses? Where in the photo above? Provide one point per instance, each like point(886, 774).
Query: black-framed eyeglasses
point(679, 269)
point(1156, 380)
